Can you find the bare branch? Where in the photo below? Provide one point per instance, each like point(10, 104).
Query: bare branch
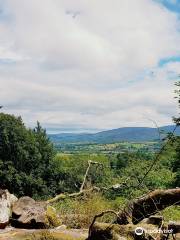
point(63, 196)
point(87, 171)
point(98, 216)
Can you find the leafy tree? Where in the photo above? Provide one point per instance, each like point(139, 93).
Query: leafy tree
point(69, 170)
point(25, 157)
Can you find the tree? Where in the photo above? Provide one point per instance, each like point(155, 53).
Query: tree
point(25, 157)
point(45, 149)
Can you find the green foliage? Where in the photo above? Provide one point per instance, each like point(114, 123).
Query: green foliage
point(28, 165)
point(69, 170)
point(172, 213)
point(176, 163)
point(79, 212)
point(119, 147)
point(25, 157)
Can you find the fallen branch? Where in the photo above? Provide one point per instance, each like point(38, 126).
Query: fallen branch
point(63, 196)
point(139, 209)
point(81, 192)
point(106, 231)
point(117, 186)
point(148, 205)
point(98, 216)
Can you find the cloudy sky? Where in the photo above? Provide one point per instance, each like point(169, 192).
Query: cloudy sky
point(86, 65)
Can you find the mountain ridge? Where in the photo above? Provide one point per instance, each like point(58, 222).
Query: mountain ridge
point(130, 134)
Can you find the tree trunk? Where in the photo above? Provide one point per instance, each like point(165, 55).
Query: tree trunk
point(150, 204)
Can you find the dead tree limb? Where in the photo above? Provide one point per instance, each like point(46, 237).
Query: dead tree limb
point(150, 204)
point(139, 209)
point(85, 176)
point(117, 186)
point(100, 215)
point(63, 196)
point(87, 171)
point(81, 192)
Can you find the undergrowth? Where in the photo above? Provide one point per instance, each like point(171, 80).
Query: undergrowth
point(79, 213)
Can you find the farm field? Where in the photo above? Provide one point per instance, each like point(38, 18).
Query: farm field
point(118, 147)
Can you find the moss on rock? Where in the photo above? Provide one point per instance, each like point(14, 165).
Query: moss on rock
point(52, 218)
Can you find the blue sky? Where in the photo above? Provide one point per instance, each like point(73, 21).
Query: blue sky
point(165, 61)
point(109, 66)
point(172, 5)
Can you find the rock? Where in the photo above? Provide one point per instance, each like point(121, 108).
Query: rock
point(30, 214)
point(61, 227)
point(27, 213)
point(155, 220)
point(6, 202)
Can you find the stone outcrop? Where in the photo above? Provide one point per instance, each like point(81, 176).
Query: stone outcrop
point(27, 213)
point(30, 214)
point(6, 202)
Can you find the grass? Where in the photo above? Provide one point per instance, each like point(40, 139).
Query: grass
point(79, 213)
point(172, 213)
point(44, 235)
point(47, 235)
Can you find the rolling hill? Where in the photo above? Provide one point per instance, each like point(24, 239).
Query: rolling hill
point(129, 134)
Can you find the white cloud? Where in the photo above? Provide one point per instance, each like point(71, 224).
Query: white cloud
point(88, 64)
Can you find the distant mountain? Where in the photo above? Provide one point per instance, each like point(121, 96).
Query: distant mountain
point(130, 134)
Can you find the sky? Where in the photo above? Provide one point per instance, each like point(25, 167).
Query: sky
point(88, 65)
